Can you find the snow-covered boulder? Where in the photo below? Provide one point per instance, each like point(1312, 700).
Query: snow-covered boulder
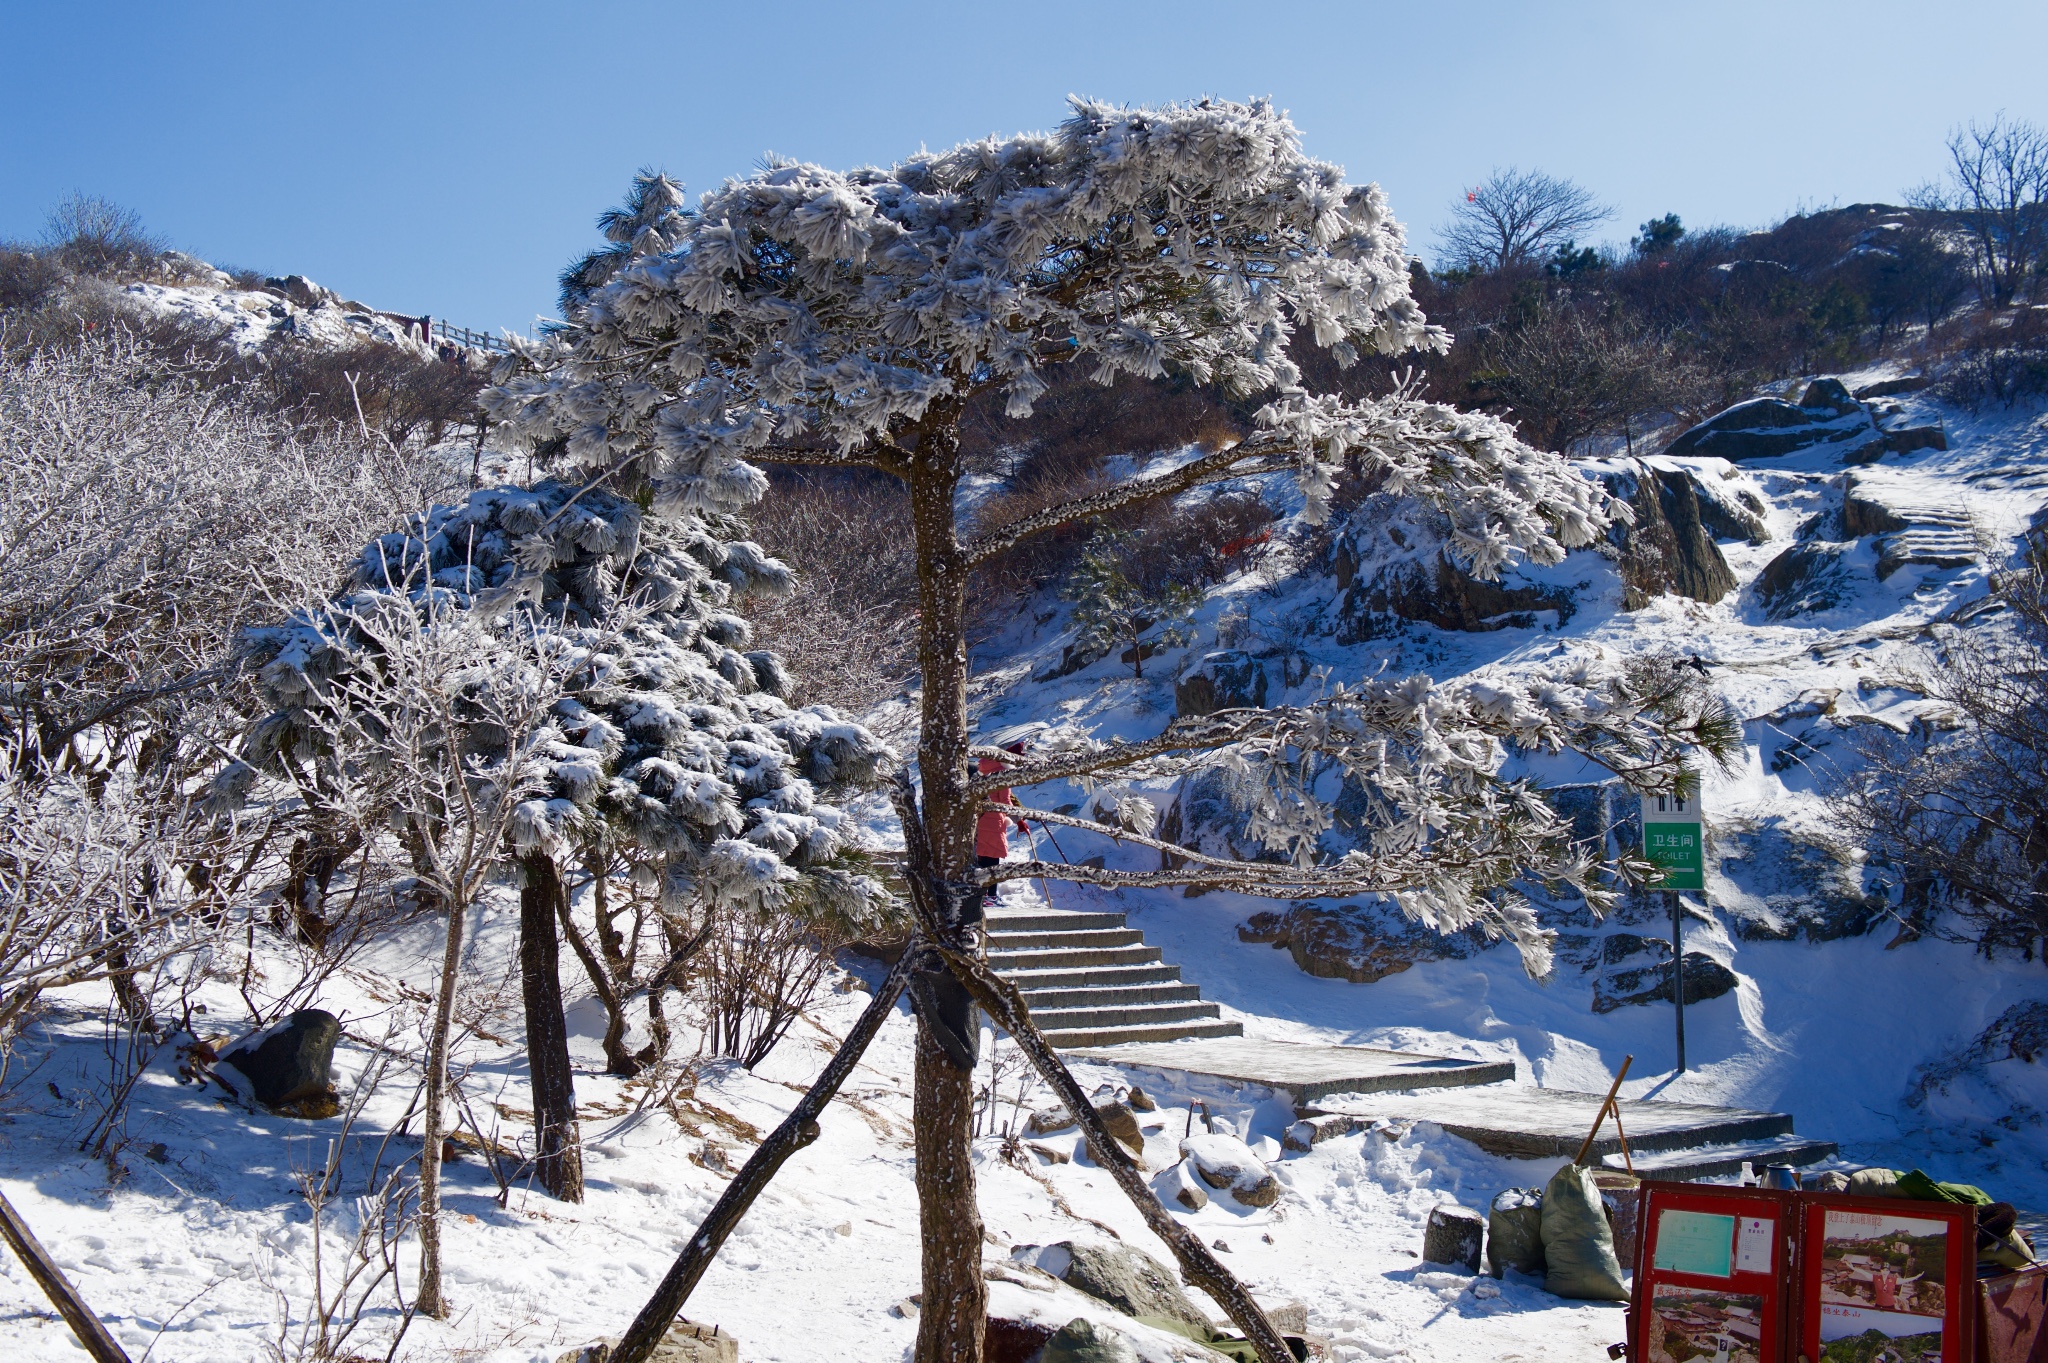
point(1636, 970)
point(1391, 558)
point(1769, 428)
point(1818, 575)
point(1179, 1187)
point(1228, 1163)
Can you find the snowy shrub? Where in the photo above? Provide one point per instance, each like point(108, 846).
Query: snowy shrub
point(1958, 811)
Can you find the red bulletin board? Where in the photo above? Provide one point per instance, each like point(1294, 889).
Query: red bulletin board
point(1713, 1274)
point(1884, 1277)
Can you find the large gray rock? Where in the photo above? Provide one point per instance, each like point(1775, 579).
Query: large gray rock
point(1637, 970)
point(1795, 886)
point(1830, 396)
point(1083, 1341)
point(1668, 548)
point(1128, 1279)
point(1807, 578)
point(1769, 428)
point(1229, 679)
point(290, 1065)
point(1356, 942)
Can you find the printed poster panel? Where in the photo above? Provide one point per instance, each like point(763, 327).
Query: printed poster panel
point(1883, 1287)
point(1688, 1324)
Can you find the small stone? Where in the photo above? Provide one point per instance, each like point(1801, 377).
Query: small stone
point(1140, 1100)
point(1218, 1244)
point(1051, 1154)
point(843, 1228)
point(1453, 1235)
point(1050, 1122)
point(906, 1309)
point(1268, 1238)
point(1310, 1132)
point(1122, 1124)
point(689, 1342)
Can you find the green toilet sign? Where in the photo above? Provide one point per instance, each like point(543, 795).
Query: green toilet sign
point(1674, 841)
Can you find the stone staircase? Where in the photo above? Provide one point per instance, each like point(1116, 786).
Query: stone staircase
point(1091, 980)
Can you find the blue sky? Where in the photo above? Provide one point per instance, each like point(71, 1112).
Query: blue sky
point(450, 157)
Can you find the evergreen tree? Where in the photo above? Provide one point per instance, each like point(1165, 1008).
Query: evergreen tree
point(814, 317)
point(1117, 604)
point(1658, 235)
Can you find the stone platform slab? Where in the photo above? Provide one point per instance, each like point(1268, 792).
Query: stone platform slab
point(1307, 1073)
point(1715, 1161)
point(1533, 1123)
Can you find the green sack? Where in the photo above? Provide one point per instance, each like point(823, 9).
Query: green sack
point(1578, 1244)
point(1923, 1188)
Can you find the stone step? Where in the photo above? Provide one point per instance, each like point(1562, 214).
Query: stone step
point(1118, 1036)
point(1032, 980)
point(1052, 920)
point(1715, 1161)
point(1533, 1123)
point(1114, 1015)
point(1100, 995)
point(1006, 961)
point(1058, 941)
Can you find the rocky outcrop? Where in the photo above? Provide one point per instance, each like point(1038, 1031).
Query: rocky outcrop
point(1667, 549)
point(1815, 576)
point(1356, 942)
point(1392, 569)
point(1793, 886)
point(1769, 428)
point(1229, 679)
point(1636, 970)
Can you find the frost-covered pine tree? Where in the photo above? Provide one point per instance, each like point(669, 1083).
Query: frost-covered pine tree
point(659, 742)
point(809, 316)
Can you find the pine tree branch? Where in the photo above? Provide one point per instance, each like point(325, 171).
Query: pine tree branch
point(1105, 830)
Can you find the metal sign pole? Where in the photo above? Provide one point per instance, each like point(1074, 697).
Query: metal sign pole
point(1674, 841)
point(1678, 974)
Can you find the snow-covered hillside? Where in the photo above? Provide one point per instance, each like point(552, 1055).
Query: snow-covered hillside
point(195, 1241)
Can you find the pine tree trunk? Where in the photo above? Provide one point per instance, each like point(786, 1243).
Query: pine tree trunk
point(955, 1299)
point(559, 1156)
point(429, 1299)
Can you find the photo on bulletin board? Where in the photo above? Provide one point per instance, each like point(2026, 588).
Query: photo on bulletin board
point(1887, 1282)
point(1688, 1323)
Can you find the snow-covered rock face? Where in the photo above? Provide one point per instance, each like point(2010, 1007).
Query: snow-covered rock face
point(290, 308)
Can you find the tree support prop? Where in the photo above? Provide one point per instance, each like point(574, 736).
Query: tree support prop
point(91, 1334)
point(798, 1130)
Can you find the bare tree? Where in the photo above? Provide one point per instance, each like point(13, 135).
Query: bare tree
point(442, 730)
point(1958, 808)
point(1999, 185)
point(1566, 376)
point(1519, 217)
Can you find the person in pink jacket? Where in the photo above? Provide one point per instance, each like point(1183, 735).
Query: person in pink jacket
point(935, 994)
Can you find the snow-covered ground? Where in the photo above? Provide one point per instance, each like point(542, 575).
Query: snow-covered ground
point(197, 1228)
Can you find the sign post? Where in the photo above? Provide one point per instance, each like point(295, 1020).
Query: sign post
point(1674, 841)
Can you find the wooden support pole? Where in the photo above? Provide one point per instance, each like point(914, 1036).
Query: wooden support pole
point(1601, 1116)
point(798, 1130)
point(84, 1324)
